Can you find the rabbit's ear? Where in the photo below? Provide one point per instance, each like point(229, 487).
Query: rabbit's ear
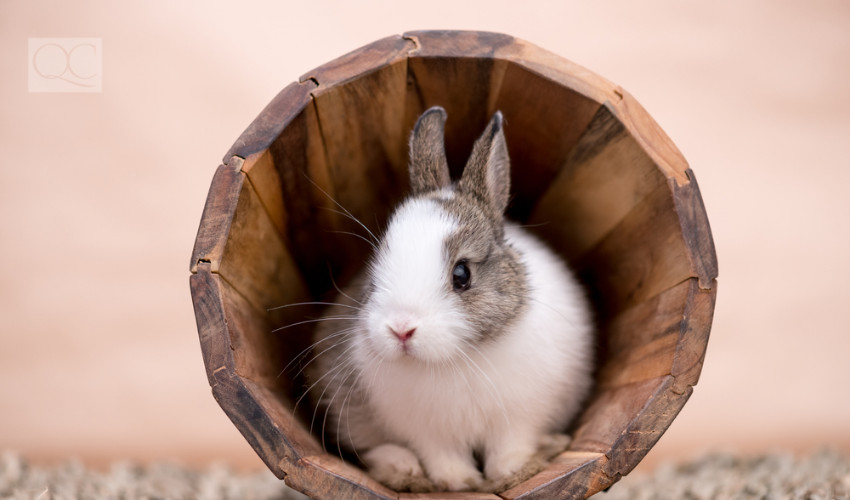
point(429, 169)
point(487, 175)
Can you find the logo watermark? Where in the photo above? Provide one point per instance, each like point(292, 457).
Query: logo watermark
point(65, 65)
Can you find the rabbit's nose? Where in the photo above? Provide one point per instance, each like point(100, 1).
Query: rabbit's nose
point(404, 333)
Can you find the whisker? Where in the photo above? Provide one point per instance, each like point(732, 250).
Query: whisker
point(343, 332)
point(342, 412)
point(319, 320)
point(317, 382)
point(338, 289)
point(344, 212)
point(330, 404)
point(371, 244)
point(311, 304)
point(545, 223)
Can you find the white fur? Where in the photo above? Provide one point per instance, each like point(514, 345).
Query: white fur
point(409, 275)
point(442, 394)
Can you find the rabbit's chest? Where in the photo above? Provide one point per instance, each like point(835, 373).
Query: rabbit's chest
point(461, 400)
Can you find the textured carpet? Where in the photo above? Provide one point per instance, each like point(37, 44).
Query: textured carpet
point(822, 476)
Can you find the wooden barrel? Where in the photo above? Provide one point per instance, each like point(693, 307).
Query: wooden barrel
point(592, 174)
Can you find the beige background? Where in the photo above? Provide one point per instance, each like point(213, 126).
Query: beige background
point(101, 194)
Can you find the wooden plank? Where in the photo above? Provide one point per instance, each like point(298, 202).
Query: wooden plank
point(696, 230)
point(646, 429)
point(644, 255)
point(540, 61)
point(604, 177)
point(651, 137)
point(449, 495)
point(358, 63)
point(610, 412)
point(209, 316)
point(261, 419)
point(626, 421)
point(265, 179)
point(640, 342)
point(260, 352)
point(690, 351)
point(325, 476)
point(665, 335)
point(276, 442)
point(570, 475)
point(277, 408)
point(217, 215)
point(308, 192)
point(360, 102)
point(255, 260)
point(268, 125)
point(543, 122)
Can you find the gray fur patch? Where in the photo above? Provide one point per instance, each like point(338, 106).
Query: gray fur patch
point(499, 282)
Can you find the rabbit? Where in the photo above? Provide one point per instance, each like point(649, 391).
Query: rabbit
point(464, 343)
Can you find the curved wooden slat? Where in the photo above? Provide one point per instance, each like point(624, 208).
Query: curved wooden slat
point(307, 191)
point(696, 230)
point(544, 120)
point(665, 335)
point(569, 475)
point(362, 125)
point(326, 476)
point(217, 215)
point(644, 255)
point(271, 121)
point(255, 259)
point(259, 415)
point(265, 179)
point(651, 137)
point(604, 177)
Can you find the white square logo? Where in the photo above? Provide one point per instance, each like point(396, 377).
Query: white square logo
point(65, 65)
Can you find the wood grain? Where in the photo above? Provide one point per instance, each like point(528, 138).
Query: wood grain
point(626, 421)
point(696, 230)
point(258, 353)
point(326, 476)
point(570, 475)
point(449, 495)
point(271, 121)
point(308, 192)
point(646, 428)
point(362, 126)
point(217, 215)
point(259, 414)
point(543, 122)
point(604, 177)
point(536, 59)
point(644, 255)
point(265, 179)
point(651, 137)
point(209, 316)
point(665, 335)
point(691, 349)
point(255, 259)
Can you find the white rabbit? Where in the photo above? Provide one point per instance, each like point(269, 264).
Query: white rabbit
point(466, 341)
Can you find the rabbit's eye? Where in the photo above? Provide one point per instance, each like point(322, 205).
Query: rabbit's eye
point(461, 276)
